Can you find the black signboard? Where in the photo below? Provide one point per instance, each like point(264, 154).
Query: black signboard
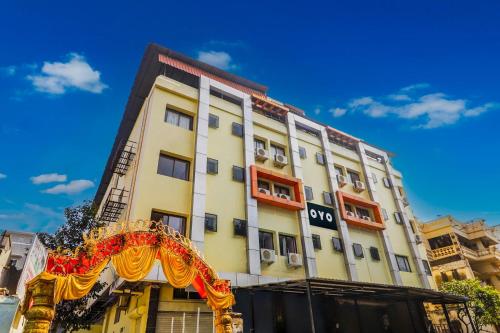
point(321, 216)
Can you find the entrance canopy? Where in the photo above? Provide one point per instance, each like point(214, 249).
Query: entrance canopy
point(361, 290)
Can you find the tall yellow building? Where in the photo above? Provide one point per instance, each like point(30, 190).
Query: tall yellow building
point(458, 250)
point(265, 192)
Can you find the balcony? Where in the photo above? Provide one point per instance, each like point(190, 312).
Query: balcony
point(443, 252)
point(491, 253)
point(114, 205)
point(353, 218)
point(127, 154)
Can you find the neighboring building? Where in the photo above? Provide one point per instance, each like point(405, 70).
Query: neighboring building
point(266, 193)
point(459, 250)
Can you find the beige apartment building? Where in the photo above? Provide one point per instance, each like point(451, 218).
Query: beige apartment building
point(458, 250)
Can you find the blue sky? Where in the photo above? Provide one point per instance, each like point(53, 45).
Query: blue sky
point(419, 78)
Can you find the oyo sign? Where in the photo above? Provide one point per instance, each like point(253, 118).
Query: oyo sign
point(321, 216)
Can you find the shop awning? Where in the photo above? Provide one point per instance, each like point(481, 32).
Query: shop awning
point(359, 290)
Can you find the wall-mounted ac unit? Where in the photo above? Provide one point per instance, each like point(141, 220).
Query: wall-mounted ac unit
point(268, 256)
point(418, 239)
point(367, 218)
point(341, 180)
point(351, 214)
point(294, 260)
point(283, 196)
point(359, 186)
point(261, 154)
point(280, 160)
point(264, 190)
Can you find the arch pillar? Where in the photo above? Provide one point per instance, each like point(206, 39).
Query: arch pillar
point(41, 308)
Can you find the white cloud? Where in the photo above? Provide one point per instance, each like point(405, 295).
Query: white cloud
point(8, 70)
point(48, 178)
point(49, 212)
point(317, 110)
point(338, 112)
point(73, 187)
point(430, 110)
point(75, 74)
point(15, 216)
point(2, 176)
point(218, 59)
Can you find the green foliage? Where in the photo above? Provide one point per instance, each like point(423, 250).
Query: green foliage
point(483, 303)
point(74, 315)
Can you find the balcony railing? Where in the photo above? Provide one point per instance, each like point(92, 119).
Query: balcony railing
point(490, 253)
point(114, 205)
point(444, 252)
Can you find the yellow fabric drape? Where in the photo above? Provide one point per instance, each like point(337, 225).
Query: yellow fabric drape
point(75, 286)
point(217, 300)
point(178, 274)
point(134, 263)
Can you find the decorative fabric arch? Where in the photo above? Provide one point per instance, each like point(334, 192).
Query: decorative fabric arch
point(132, 248)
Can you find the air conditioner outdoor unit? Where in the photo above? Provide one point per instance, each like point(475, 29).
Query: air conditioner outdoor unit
point(294, 260)
point(261, 154)
point(280, 160)
point(367, 218)
point(283, 196)
point(350, 214)
point(359, 186)
point(264, 190)
point(268, 256)
point(418, 239)
point(342, 180)
point(405, 202)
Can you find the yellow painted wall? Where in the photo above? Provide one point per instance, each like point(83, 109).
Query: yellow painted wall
point(225, 197)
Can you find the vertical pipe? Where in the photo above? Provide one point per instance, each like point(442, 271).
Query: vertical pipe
point(172, 326)
point(309, 304)
point(198, 321)
point(183, 321)
point(473, 324)
point(447, 316)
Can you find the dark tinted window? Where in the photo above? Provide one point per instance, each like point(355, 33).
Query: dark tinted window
point(237, 129)
point(240, 227)
point(358, 250)
point(176, 222)
point(328, 198)
point(266, 240)
point(173, 167)
point(213, 121)
point(403, 263)
point(427, 268)
point(316, 242)
point(281, 190)
point(212, 166)
point(238, 174)
point(211, 222)
point(302, 152)
point(179, 119)
point(374, 253)
point(337, 244)
point(309, 193)
point(353, 176)
point(320, 158)
point(287, 245)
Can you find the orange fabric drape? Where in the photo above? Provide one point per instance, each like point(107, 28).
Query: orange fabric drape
point(178, 274)
point(134, 263)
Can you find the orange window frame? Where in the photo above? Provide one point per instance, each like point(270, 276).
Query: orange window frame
point(258, 173)
point(345, 198)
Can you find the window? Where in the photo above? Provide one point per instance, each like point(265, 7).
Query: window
point(174, 221)
point(211, 222)
point(316, 242)
point(320, 158)
point(374, 253)
point(212, 166)
point(266, 240)
point(277, 150)
point(309, 193)
point(362, 212)
point(213, 121)
point(302, 153)
point(337, 244)
point(387, 182)
point(328, 198)
point(403, 263)
point(257, 143)
point(440, 241)
point(179, 119)
point(287, 245)
point(240, 227)
point(338, 170)
point(237, 129)
point(384, 213)
point(427, 268)
point(374, 177)
point(184, 294)
point(348, 208)
point(353, 176)
point(173, 167)
point(358, 250)
point(238, 174)
point(281, 190)
point(398, 217)
point(264, 185)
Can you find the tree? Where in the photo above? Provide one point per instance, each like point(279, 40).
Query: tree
point(483, 303)
point(74, 315)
